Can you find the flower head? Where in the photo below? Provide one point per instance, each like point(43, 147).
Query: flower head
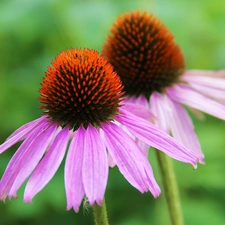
point(143, 52)
point(152, 68)
point(81, 98)
point(80, 88)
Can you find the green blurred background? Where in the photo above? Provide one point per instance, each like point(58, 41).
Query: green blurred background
point(33, 32)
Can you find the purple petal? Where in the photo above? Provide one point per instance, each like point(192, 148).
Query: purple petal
point(204, 73)
point(143, 146)
point(31, 157)
point(111, 161)
point(183, 128)
point(140, 100)
point(21, 133)
point(217, 83)
point(73, 171)
point(31, 124)
point(208, 91)
point(16, 162)
point(130, 159)
point(95, 166)
point(189, 97)
point(212, 86)
point(138, 110)
point(160, 109)
point(48, 166)
point(153, 136)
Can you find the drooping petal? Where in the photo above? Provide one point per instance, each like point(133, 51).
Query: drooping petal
point(13, 167)
point(30, 125)
point(111, 161)
point(153, 136)
point(138, 110)
point(95, 166)
point(73, 171)
point(212, 84)
point(140, 100)
point(209, 91)
point(143, 146)
point(130, 159)
point(53, 138)
point(183, 129)
point(48, 166)
point(31, 157)
point(159, 107)
point(186, 95)
point(203, 73)
point(21, 133)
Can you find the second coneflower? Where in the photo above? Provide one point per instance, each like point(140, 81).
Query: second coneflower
point(81, 98)
point(152, 69)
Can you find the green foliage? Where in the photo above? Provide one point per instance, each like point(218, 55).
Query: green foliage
point(33, 32)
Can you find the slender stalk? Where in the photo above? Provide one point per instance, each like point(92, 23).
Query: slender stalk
point(170, 188)
point(100, 214)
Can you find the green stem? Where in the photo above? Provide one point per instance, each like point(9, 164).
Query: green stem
point(170, 188)
point(100, 214)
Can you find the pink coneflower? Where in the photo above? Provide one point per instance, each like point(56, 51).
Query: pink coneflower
point(152, 68)
point(81, 99)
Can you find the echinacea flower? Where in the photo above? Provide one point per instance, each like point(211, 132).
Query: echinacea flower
point(81, 99)
point(152, 69)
